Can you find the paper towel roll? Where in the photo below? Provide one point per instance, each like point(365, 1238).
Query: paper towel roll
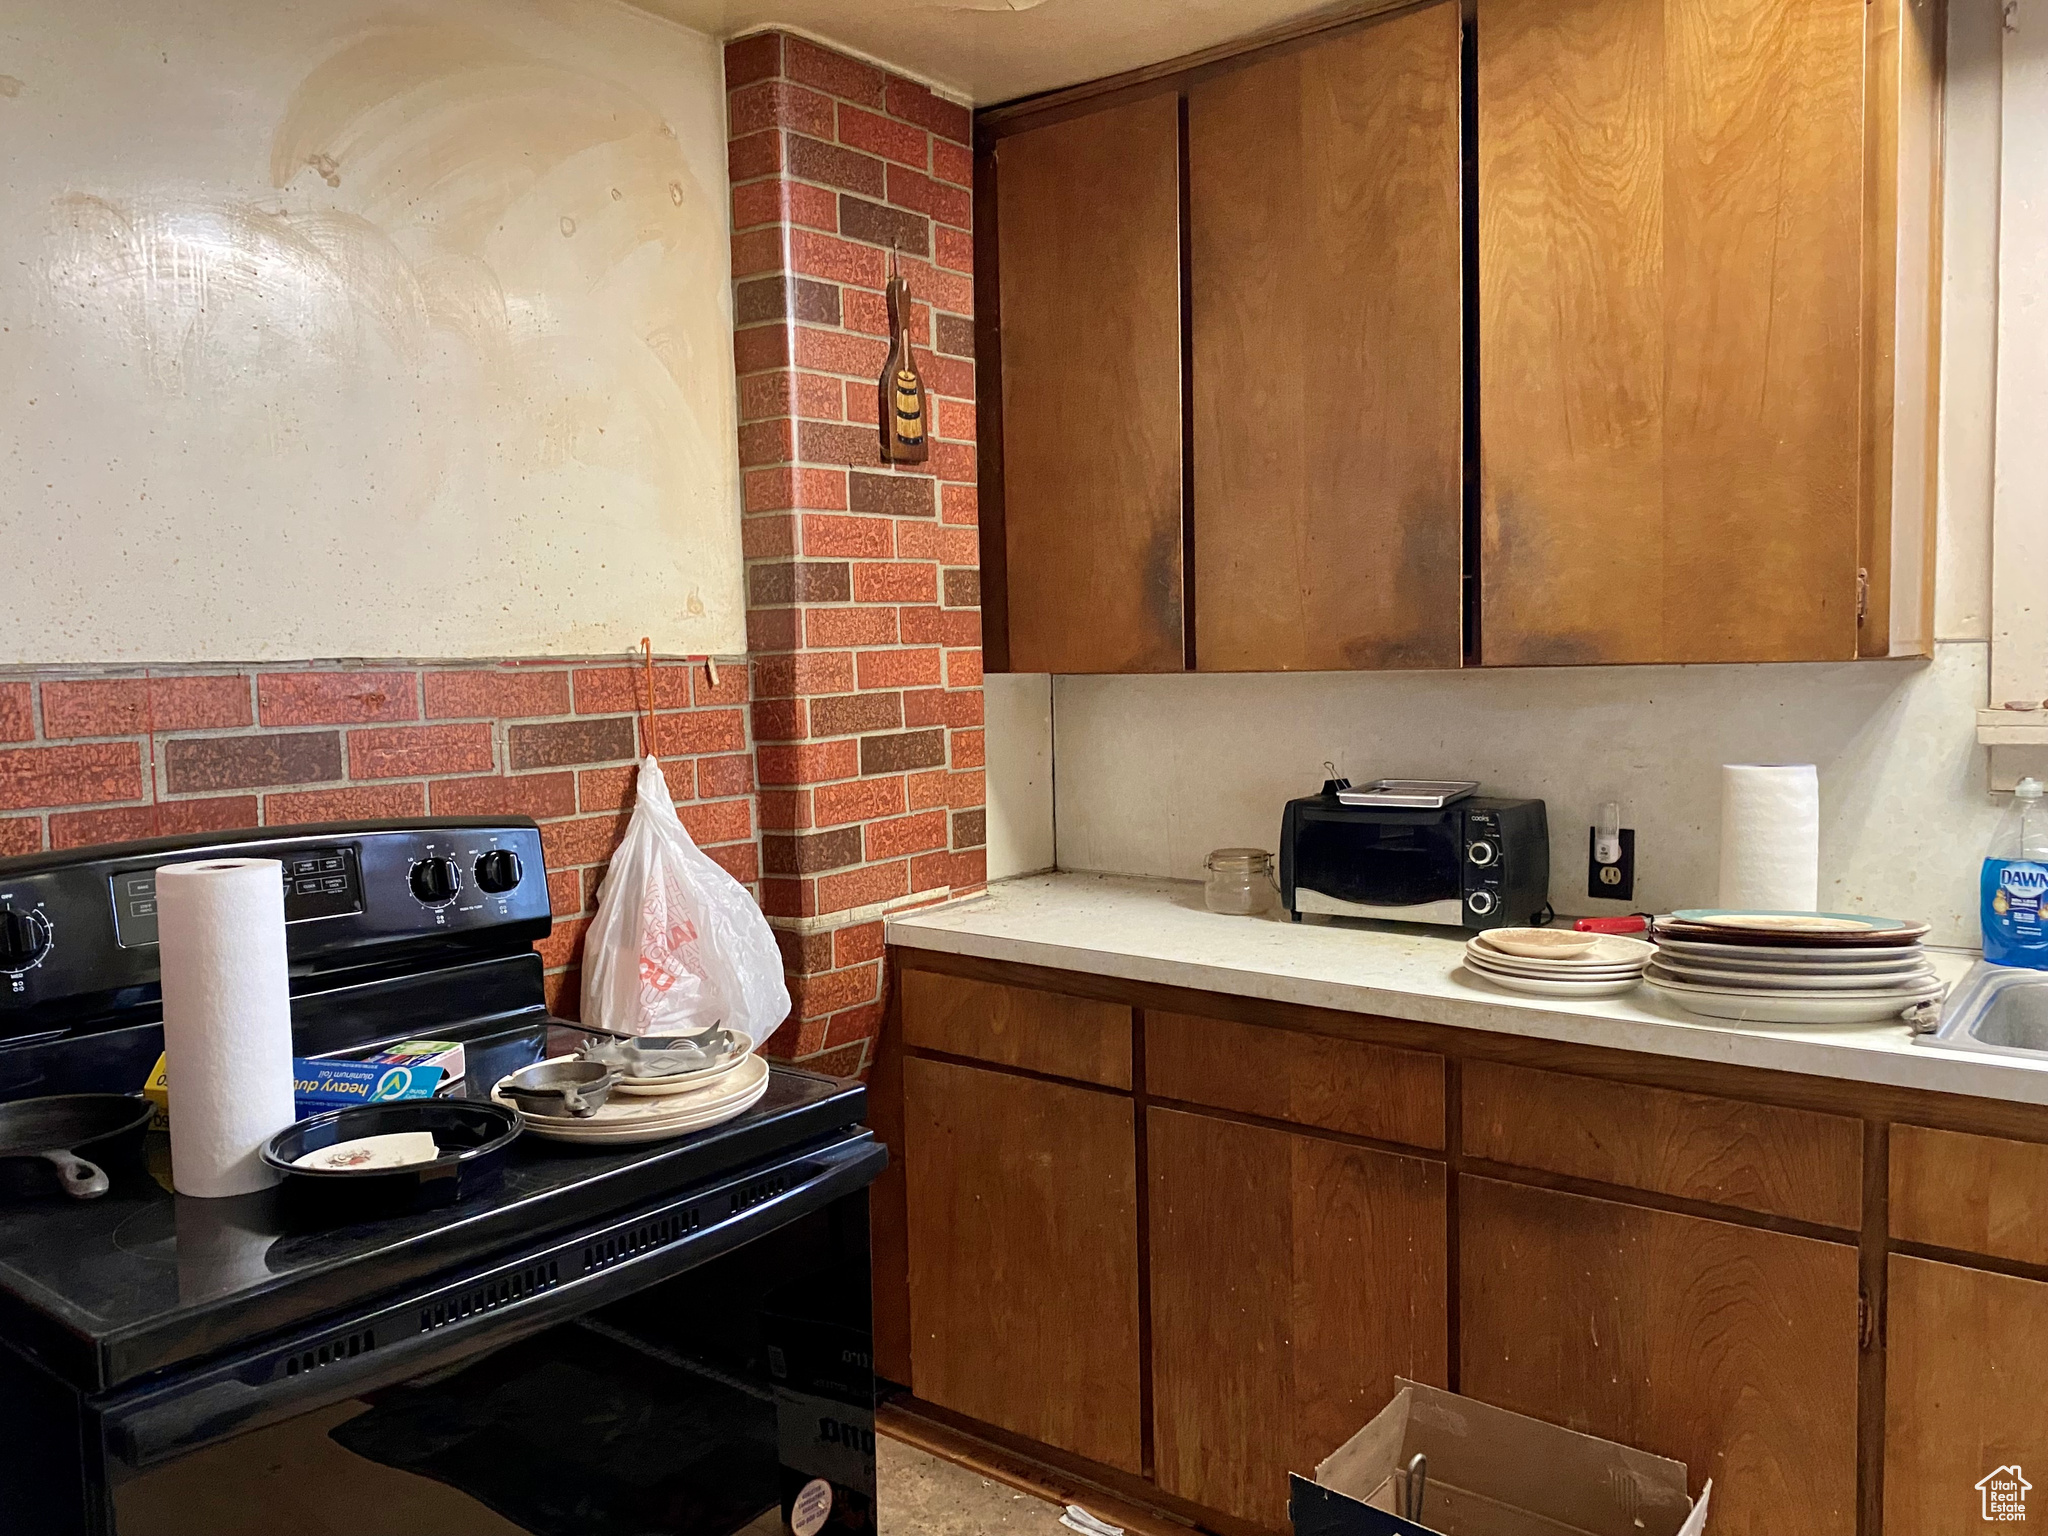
point(227, 1020)
point(1770, 837)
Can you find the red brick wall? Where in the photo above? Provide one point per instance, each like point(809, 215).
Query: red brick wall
point(863, 580)
point(274, 746)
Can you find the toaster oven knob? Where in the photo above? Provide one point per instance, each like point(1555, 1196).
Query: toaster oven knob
point(1482, 853)
point(1482, 903)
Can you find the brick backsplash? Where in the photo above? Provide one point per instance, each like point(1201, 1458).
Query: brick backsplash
point(278, 746)
point(863, 581)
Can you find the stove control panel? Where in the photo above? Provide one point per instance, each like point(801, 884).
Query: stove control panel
point(78, 928)
point(320, 882)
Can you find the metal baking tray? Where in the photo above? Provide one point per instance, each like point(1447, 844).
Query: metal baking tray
point(1409, 794)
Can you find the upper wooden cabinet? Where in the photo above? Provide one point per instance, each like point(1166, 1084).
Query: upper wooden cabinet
point(1327, 353)
point(1687, 217)
point(1088, 236)
point(1674, 260)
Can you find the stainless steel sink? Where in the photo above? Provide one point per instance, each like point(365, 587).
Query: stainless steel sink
point(1997, 1009)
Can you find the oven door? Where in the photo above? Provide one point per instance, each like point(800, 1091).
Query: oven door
point(700, 1368)
point(1406, 865)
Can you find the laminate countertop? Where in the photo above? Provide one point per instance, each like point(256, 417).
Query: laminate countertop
point(1158, 931)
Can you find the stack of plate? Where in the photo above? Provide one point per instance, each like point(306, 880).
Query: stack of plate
point(637, 1112)
point(1792, 967)
point(1551, 962)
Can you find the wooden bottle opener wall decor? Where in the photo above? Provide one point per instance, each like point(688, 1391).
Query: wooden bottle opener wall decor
point(905, 412)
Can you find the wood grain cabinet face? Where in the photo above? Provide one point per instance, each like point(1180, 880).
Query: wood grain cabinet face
point(1670, 246)
point(1023, 1222)
point(1293, 1278)
point(1979, 1194)
point(1088, 266)
point(1380, 1091)
point(1966, 1359)
point(1732, 1349)
point(1048, 1032)
point(1759, 1157)
point(1323, 217)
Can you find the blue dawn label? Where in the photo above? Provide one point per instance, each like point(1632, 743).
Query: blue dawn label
point(2013, 891)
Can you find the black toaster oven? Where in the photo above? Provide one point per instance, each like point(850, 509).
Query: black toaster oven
point(1475, 863)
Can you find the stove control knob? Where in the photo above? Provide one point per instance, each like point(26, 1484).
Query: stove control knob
point(24, 940)
point(498, 871)
point(436, 881)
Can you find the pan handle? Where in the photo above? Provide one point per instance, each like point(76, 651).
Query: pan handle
point(81, 1180)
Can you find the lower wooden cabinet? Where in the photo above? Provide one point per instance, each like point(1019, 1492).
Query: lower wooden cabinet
point(1730, 1348)
point(1966, 1363)
point(1022, 1208)
point(1293, 1278)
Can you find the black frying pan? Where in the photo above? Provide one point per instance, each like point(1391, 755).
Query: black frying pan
point(42, 1136)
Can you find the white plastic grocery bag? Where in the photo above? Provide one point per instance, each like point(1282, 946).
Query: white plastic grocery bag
point(677, 945)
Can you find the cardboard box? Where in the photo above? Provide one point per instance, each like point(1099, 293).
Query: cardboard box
point(1490, 1473)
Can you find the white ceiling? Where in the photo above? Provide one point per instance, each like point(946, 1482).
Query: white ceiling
point(986, 51)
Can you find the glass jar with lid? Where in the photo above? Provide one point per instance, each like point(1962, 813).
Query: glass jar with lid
point(1239, 881)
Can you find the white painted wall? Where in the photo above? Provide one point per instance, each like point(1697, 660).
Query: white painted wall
point(1017, 710)
point(1151, 773)
point(335, 328)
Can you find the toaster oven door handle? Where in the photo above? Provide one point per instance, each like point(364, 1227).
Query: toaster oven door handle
point(595, 1266)
point(1451, 909)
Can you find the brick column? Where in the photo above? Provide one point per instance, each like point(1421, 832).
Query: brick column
point(863, 580)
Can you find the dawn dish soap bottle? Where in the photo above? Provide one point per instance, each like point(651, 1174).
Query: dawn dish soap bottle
point(2016, 882)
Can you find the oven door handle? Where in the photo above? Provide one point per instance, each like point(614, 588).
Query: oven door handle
point(173, 1418)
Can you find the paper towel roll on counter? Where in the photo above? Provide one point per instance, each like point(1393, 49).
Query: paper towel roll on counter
point(1770, 837)
point(227, 1020)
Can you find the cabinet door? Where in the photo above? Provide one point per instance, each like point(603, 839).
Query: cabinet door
point(1671, 397)
point(1966, 1355)
point(1324, 227)
point(1293, 1278)
point(1088, 267)
point(1731, 1349)
point(1023, 1222)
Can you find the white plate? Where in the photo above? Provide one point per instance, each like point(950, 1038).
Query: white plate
point(681, 1082)
point(1542, 943)
point(1541, 987)
point(1930, 987)
point(647, 1110)
point(1479, 960)
point(1613, 949)
point(1809, 1008)
point(1774, 958)
point(639, 1134)
point(1792, 981)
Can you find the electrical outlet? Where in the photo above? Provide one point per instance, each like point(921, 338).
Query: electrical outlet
point(1612, 882)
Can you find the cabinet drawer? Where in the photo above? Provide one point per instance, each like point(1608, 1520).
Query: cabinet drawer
point(1980, 1194)
point(1340, 1085)
point(1759, 1157)
point(1048, 1032)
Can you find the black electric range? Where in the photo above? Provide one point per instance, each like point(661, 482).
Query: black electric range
point(690, 1320)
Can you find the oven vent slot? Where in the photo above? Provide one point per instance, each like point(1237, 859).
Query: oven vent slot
point(767, 1187)
point(492, 1294)
point(634, 1241)
point(332, 1352)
